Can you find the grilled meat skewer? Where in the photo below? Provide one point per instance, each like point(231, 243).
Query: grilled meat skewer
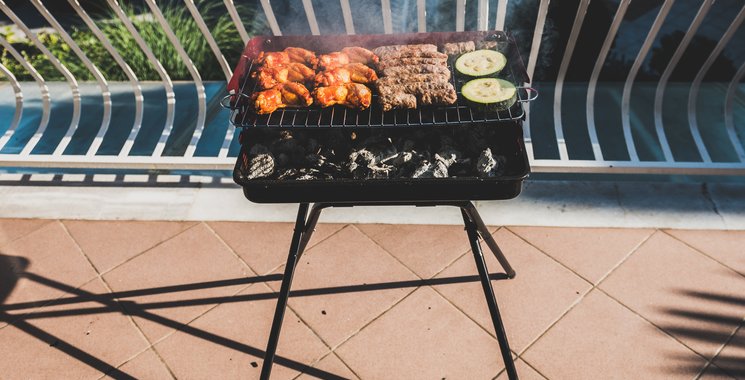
point(353, 72)
point(394, 71)
point(411, 61)
point(352, 95)
point(358, 54)
point(284, 95)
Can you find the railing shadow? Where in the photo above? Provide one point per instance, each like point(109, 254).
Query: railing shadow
point(13, 268)
point(731, 364)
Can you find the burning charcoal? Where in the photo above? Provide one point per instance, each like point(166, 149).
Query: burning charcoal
point(486, 163)
point(315, 160)
point(423, 171)
point(408, 145)
point(380, 172)
point(283, 160)
point(291, 147)
point(440, 169)
point(382, 147)
point(499, 170)
point(359, 161)
point(312, 146)
point(306, 174)
point(261, 164)
point(398, 159)
point(287, 174)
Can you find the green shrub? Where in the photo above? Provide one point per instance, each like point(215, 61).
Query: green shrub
point(180, 21)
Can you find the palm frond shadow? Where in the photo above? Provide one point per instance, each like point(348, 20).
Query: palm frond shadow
point(720, 313)
point(13, 268)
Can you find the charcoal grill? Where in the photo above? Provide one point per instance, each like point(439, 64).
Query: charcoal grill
point(344, 192)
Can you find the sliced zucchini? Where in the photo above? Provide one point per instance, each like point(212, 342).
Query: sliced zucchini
point(493, 93)
point(479, 63)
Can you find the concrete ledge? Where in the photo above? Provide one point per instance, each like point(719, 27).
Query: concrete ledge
point(542, 203)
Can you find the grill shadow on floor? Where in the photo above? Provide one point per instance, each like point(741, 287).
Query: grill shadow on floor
point(114, 303)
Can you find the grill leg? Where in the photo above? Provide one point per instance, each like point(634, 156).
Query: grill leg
point(504, 346)
point(310, 226)
point(474, 216)
point(284, 292)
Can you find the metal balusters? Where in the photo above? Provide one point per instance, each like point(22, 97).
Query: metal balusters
point(729, 120)
point(421, 15)
point(165, 79)
point(45, 99)
point(270, 17)
point(578, 19)
point(693, 95)
point(387, 16)
point(236, 18)
point(460, 15)
point(626, 97)
point(346, 12)
point(134, 82)
point(71, 81)
point(482, 18)
point(102, 83)
point(501, 14)
point(592, 85)
point(310, 14)
point(660, 91)
point(19, 106)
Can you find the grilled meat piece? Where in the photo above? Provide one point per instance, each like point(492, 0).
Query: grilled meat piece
point(353, 72)
point(412, 61)
point(411, 78)
point(301, 55)
point(412, 54)
point(399, 100)
point(456, 48)
point(274, 58)
point(352, 95)
point(272, 76)
point(423, 93)
point(332, 60)
point(284, 95)
point(358, 54)
point(383, 51)
point(395, 71)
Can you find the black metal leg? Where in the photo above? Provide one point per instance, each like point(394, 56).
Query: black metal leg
point(471, 228)
point(310, 226)
point(284, 292)
point(473, 214)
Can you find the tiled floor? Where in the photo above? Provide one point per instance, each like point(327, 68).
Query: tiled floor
point(194, 300)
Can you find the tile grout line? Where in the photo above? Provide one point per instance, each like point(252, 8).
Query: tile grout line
point(719, 351)
point(703, 253)
point(44, 224)
point(308, 248)
point(110, 290)
point(583, 295)
point(660, 329)
point(533, 367)
point(448, 265)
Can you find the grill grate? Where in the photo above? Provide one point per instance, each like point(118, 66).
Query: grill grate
point(374, 116)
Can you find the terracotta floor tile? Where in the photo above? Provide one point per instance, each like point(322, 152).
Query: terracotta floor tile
point(49, 253)
point(347, 264)
point(229, 341)
point(264, 246)
point(182, 263)
point(732, 357)
point(423, 337)
point(683, 292)
point(726, 246)
point(591, 252)
point(52, 342)
point(714, 373)
point(146, 365)
point(425, 249)
point(529, 303)
point(11, 229)
point(110, 243)
point(331, 364)
point(600, 339)
point(524, 371)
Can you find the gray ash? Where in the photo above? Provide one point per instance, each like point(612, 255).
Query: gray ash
point(375, 153)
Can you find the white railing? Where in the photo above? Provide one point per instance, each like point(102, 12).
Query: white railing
point(485, 18)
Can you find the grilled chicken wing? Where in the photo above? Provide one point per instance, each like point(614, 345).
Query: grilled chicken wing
point(284, 95)
point(360, 55)
point(352, 95)
point(332, 60)
point(274, 58)
point(272, 76)
point(360, 73)
point(301, 55)
point(353, 72)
